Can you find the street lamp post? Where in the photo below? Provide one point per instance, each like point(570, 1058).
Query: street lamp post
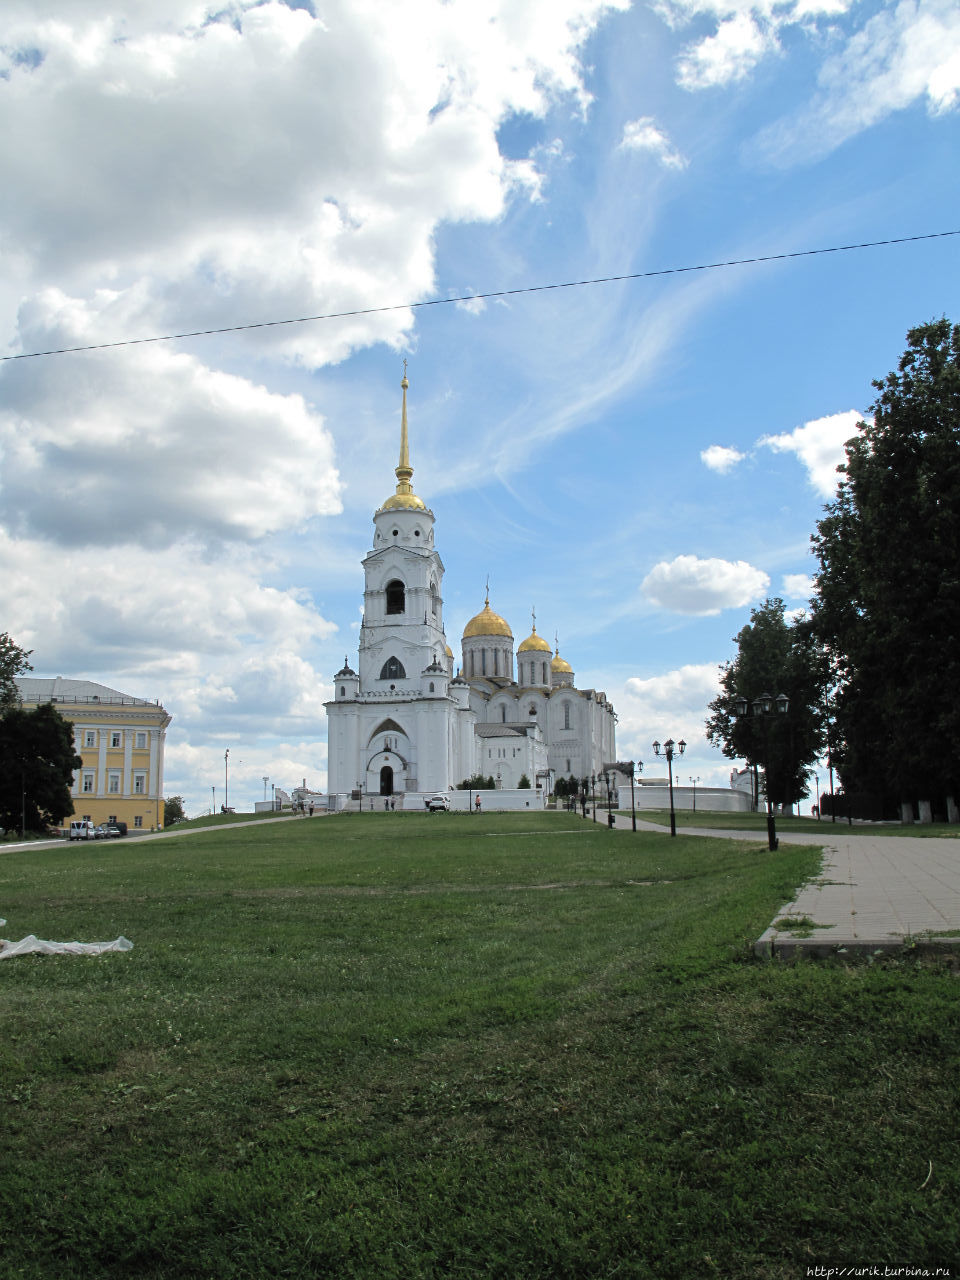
point(226, 778)
point(695, 781)
point(593, 794)
point(669, 747)
point(266, 779)
point(608, 779)
point(633, 807)
point(762, 708)
point(213, 800)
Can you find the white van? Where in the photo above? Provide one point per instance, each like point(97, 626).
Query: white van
point(82, 829)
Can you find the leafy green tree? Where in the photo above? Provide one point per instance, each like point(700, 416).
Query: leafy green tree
point(775, 657)
point(13, 661)
point(173, 810)
point(887, 604)
point(524, 783)
point(39, 761)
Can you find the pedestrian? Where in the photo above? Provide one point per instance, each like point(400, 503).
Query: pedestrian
point(476, 804)
point(311, 811)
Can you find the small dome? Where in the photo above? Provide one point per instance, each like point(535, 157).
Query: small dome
point(404, 502)
point(449, 651)
point(534, 643)
point(560, 666)
point(487, 623)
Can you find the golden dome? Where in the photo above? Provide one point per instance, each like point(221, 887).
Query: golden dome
point(560, 666)
point(534, 643)
point(487, 623)
point(404, 499)
point(449, 651)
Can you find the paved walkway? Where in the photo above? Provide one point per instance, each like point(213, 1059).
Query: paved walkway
point(874, 893)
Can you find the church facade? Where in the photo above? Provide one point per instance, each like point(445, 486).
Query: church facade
point(404, 722)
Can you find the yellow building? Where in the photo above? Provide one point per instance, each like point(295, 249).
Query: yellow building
point(121, 741)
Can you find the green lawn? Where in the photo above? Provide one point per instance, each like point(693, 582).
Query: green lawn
point(405, 1045)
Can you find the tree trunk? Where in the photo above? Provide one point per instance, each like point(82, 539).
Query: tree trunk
point(953, 813)
point(926, 812)
point(906, 813)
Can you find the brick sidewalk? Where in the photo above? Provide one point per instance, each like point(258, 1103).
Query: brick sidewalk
point(874, 893)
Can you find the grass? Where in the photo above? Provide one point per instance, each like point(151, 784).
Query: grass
point(758, 822)
point(403, 1046)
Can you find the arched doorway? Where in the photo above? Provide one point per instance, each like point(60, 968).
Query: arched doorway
point(386, 780)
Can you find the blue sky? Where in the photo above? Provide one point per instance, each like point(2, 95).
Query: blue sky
point(641, 461)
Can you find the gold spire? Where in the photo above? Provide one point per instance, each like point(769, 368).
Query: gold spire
point(404, 496)
point(533, 641)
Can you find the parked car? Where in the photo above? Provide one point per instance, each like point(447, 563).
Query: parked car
point(115, 829)
point(438, 803)
point(100, 832)
point(82, 829)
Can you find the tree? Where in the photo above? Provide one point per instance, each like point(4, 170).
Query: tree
point(524, 783)
point(887, 605)
point(775, 657)
point(173, 810)
point(39, 761)
point(13, 661)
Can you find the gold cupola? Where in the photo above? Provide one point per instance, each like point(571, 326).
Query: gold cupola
point(533, 642)
point(559, 666)
point(404, 499)
point(487, 623)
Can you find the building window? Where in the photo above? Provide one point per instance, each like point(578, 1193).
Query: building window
point(533, 710)
point(566, 715)
point(138, 821)
point(544, 673)
point(393, 670)
point(431, 686)
point(503, 714)
point(483, 662)
point(343, 692)
point(141, 743)
point(113, 785)
point(395, 596)
point(115, 738)
point(139, 784)
point(434, 599)
point(88, 782)
point(90, 738)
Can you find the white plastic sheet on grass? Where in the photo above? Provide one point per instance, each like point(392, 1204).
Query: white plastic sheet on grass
point(32, 944)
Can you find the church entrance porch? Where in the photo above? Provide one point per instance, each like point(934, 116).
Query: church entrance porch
point(386, 781)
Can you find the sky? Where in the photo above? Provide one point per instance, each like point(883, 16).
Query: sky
point(640, 461)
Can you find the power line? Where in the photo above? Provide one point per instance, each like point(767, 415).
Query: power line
point(482, 297)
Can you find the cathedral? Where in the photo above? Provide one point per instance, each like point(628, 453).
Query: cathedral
point(404, 723)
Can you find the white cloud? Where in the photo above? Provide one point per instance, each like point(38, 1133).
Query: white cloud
point(671, 704)
point(148, 445)
point(701, 588)
point(257, 162)
point(907, 53)
point(720, 458)
point(819, 446)
point(728, 56)
point(644, 135)
point(797, 586)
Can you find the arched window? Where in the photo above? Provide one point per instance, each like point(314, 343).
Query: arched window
point(434, 598)
point(395, 596)
point(343, 692)
point(431, 687)
point(544, 673)
point(393, 670)
point(566, 715)
point(503, 713)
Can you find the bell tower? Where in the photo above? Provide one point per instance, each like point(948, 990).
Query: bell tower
point(402, 629)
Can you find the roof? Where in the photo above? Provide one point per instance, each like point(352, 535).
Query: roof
point(59, 689)
point(502, 730)
point(487, 623)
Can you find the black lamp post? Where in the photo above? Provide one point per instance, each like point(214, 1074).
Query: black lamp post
point(669, 748)
point(695, 781)
point(633, 807)
point(763, 708)
point(608, 779)
point(593, 794)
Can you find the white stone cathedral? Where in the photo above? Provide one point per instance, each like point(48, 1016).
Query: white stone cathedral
point(404, 723)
